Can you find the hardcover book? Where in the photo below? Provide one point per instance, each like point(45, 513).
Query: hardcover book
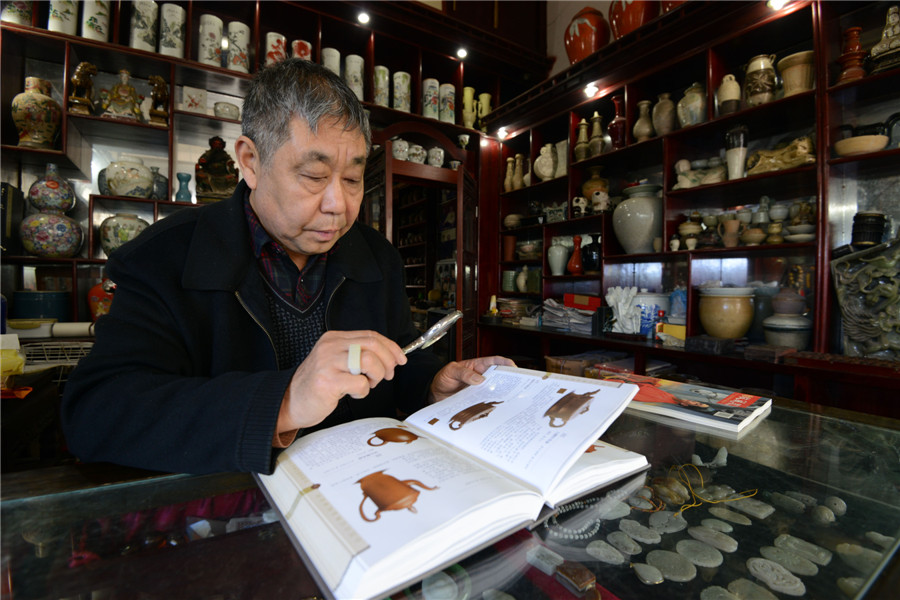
point(375, 505)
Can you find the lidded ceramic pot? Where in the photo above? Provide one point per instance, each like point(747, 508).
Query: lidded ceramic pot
point(129, 176)
point(118, 229)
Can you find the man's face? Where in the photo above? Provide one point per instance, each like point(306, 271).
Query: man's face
point(309, 194)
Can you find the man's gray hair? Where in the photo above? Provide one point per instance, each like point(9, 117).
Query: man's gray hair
point(297, 88)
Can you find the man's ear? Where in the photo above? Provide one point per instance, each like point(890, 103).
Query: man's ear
point(248, 160)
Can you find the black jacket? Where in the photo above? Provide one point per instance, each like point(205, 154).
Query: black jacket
point(183, 376)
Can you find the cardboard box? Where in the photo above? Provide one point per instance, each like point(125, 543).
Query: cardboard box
point(582, 301)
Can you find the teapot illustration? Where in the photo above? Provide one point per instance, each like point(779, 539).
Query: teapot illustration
point(568, 406)
point(392, 434)
point(389, 493)
point(473, 413)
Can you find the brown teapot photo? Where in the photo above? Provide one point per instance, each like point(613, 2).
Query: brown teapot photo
point(568, 406)
point(392, 434)
point(473, 413)
point(389, 493)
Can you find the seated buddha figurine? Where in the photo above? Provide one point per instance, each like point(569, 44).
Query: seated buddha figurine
point(122, 101)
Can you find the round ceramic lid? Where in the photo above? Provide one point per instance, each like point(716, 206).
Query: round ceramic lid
point(782, 321)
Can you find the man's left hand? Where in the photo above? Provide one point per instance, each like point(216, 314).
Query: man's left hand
point(457, 375)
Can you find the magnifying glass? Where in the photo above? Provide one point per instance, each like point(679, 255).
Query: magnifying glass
point(434, 333)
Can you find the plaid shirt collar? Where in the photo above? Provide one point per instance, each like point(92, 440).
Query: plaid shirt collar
point(300, 288)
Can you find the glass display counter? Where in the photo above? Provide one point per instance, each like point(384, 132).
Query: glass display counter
point(821, 521)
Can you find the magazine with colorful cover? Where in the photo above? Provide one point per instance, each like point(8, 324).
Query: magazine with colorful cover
point(376, 504)
point(713, 409)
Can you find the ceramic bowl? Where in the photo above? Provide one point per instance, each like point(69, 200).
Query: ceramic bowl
point(753, 236)
point(227, 110)
point(799, 238)
point(779, 212)
point(801, 228)
point(860, 144)
point(726, 316)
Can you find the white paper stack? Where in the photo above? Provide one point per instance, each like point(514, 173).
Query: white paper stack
point(569, 319)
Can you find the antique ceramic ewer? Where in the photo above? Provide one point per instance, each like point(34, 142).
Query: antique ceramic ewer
point(568, 406)
point(389, 493)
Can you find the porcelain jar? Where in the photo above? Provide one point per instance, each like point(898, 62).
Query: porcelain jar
point(118, 229)
point(17, 12)
point(759, 82)
point(692, 107)
point(417, 154)
point(587, 32)
point(238, 54)
point(650, 304)
point(643, 126)
point(36, 114)
point(50, 233)
point(594, 183)
point(63, 16)
point(436, 157)
point(617, 128)
point(726, 316)
point(792, 331)
point(129, 178)
point(382, 85)
point(400, 149)
point(144, 25)
point(626, 15)
point(100, 298)
point(557, 257)
point(545, 163)
point(638, 219)
point(663, 115)
point(728, 96)
point(171, 30)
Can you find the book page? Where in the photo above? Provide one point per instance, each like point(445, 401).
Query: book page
point(372, 503)
point(530, 424)
point(599, 465)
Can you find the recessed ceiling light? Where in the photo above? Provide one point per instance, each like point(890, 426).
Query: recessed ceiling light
point(462, 53)
point(590, 90)
point(363, 17)
point(502, 133)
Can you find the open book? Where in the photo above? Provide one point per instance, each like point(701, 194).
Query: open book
point(697, 407)
point(375, 505)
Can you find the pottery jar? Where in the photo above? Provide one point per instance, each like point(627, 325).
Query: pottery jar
point(36, 114)
point(63, 16)
point(400, 149)
point(753, 236)
point(129, 178)
point(582, 148)
point(144, 25)
point(51, 233)
point(436, 157)
point(118, 229)
point(594, 183)
point(638, 219)
point(227, 110)
point(663, 115)
point(557, 257)
point(510, 172)
point(545, 164)
point(626, 15)
point(587, 32)
point(417, 154)
point(692, 106)
point(52, 192)
point(778, 212)
point(592, 255)
point(788, 302)
point(95, 20)
point(643, 126)
point(792, 331)
point(518, 181)
point(726, 316)
point(728, 95)
point(617, 128)
point(798, 72)
point(100, 298)
point(759, 83)
point(595, 142)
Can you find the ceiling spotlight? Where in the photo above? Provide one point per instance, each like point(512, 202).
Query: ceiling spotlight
point(777, 4)
point(462, 53)
point(502, 133)
point(363, 17)
point(590, 90)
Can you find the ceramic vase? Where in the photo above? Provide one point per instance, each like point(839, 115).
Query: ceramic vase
point(17, 12)
point(468, 109)
point(575, 266)
point(95, 20)
point(239, 47)
point(582, 148)
point(184, 193)
point(587, 32)
point(36, 114)
point(118, 229)
point(852, 57)
point(510, 171)
point(129, 178)
point(638, 219)
point(519, 172)
point(331, 59)
point(144, 25)
point(759, 82)
point(728, 95)
point(160, 186)
point(171, 30)
point(691, 108)
point(276, 48)
point(643, 126)
point(594, 183)
point(447, 100)
point(401, 91)
point(430, 98)
point(557, 257)
point(663, 115)
point(209, 48)
point(545, 163)
point(302, 49)
point(595, 143)
point(798, 72)
point(63, 16)
point(592, 255)
point(617, 128)
point(50, 233)
point(626, 15)
point(353, 74)
point(382, 85)
point(726, 316)
point(100, 299)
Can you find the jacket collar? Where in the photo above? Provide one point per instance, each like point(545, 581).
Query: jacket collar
point(220, 257)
